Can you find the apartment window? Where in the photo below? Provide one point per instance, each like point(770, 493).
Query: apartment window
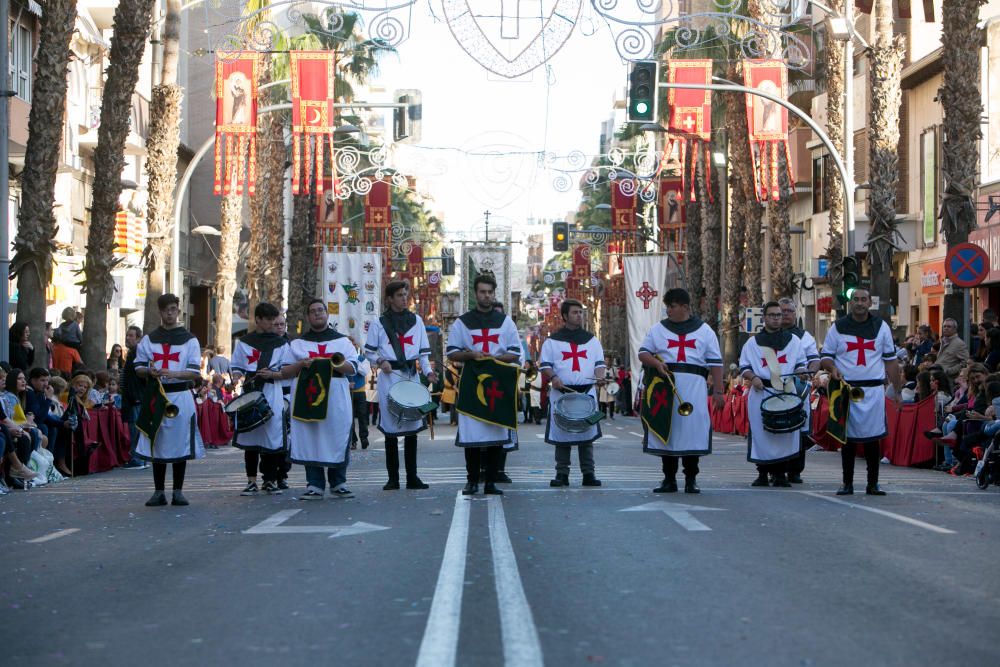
point(21, 52)
point(820, 191)
point(929, 185)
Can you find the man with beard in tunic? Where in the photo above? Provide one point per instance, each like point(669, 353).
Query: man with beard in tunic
point(573, 360)
point(265, 445)
point(395, 342)
point(323, 444)
point(483, 332)
point(768, 358)
point(171, 354)
point(686, 348)
point(859, 350)
point(789, 322)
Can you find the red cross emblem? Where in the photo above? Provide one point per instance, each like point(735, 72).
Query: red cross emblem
point(320, 352)
point(486, 339)
point(661, 401)
point(783, 359)
point(683, 344)
point(859, 346)
point(253, 357)
point(312, 391)
point(405, 340)
point(575, 354)
point(166, 357)
point(646, 293)
point(494, 393)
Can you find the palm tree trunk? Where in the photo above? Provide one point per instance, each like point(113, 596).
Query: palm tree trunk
point(962, 102)
point(36, 229)
point(739, 214)
point(131, 30)
point(161, 162)
point(711, 243)
point(883, 132)
point(835, 130)
point(225, 283)
point(302, 270)
point(266, 254)
point(693, 262)
point(778, 221)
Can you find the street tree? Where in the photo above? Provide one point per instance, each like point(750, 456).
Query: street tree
point(835, 74)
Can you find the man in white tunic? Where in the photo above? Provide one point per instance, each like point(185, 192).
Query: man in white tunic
point(483, 332)
point(395, 342)
point(858, 349)
point(323, 444)
point(172, 354)
point(265, 445)
point(686, 348)
point(573, 360)
point(767, 360)
point(789, 322)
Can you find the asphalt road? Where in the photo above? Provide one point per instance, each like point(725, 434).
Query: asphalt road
point(733, 576)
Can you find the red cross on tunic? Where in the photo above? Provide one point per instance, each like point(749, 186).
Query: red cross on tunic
point(575, 354)
point(166, 357)
point(683, 344)
point(404, 341)
point(253, 357)
point(320, 352)
point(859, 346)
point(486, 339)
point(783, 359)
point(494, 393)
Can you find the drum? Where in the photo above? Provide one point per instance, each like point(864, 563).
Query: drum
point(576, 413)
point(248, 411)
point(612, 388)
point(407, 400)
point(782, 413)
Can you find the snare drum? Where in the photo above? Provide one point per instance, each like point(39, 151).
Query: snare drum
point(576, 413)
point(407, 400)
point(612, 388)
point(248, 411)
point(782, 413)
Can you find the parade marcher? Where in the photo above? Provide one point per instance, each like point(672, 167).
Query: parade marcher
point(688, 350)
point(501, 475)
point(605, 399)
point(789, 322)
point(132, 389)
point(450, 393)
point(396, 340)
point(359, 400)
point(281, 329)
point(480, 333)
point(170, 354)
point(322, 442)
point(769, 358)
point(573, 360)
point(265, 445)
point(858, 350)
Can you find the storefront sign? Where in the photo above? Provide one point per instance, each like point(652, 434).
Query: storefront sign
point(988, 238)
point(932, 278)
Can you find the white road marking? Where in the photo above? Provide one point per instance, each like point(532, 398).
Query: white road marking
point(638, 435)
point(608, 436)
point(539, 435)
point(679, 512)
point(892, 515)
point(521, 646)
point(440, 643)
point(272, 525)
point(54, 536)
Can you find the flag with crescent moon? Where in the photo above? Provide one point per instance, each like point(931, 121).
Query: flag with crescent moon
point(623, 205)
point(236, 74)
point(768, 124)
point(312, 391)
point(313, 117)
point(487, 392)
point(689, 126)
point(656, 408)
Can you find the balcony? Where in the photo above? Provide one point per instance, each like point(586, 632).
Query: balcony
point(135, 143)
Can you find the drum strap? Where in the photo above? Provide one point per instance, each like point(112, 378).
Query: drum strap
point(772, 363)
point(580, 388)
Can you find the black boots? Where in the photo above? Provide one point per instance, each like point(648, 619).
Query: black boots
point(415, 483)
point(470, 489)
point(669, 485)
point(690, 486)
point(490, 489)
point(410, 460)
point(560, 480)
point(590, 480)
point(392, 484)
point(846, 490)
point(781, 481)
point(761, 479)
point(874, 490)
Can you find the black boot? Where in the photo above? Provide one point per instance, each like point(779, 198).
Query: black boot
point(781, 481)
point(794, 478)
point(690, 486)
point(470, 489)
point(761, 479)
point(504, 478)
point(410, 459)
point(490, 489)
point(874, 490)
point(591, 480)
point(846, 490)
point(560, 480)
point(669, 485)
point(392, 484)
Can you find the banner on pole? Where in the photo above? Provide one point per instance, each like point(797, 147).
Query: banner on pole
point(690, 122)
point(236, 74)
point(768, 124)
point(645, 285)
point(494, 260)
point(313, 116)
point(623, 205)
point(352, 289)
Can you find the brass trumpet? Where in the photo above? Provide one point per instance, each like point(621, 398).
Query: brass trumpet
point(856, 393)
point(171, 410)
point(685, 408)
point(337, 359)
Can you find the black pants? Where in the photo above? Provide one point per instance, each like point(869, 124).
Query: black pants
point(477, 456)
point(798, 464)
point(409, 456)
point(272, 464)
point(160, 475)
point(360, 406)
point(873, 454)
point(373, 413)
point(670, 465)
point(608, 408)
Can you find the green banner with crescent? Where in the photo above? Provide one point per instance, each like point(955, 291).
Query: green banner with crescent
point(840, 405)
point(312, 391)
point(657, 404)
point(152, 410)
point(487, 391)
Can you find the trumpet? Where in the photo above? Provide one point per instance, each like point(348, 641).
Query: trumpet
point(856, 393)
point(685, 408)
point(170, 410)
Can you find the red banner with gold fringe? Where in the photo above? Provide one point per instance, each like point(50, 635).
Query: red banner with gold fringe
point(236, 74)
point(313, 116)
point(671, 213)
point(378, 206)
point(768, 124)
point(581, 260)
point(690, 121)
point(623, 205)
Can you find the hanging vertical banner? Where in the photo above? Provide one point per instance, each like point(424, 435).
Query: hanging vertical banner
point(768, 124)
point(690, 122)
point(645, 285)
point(671, 213)
point(494, 260)
point(329, 219)
point(352, 286)
point(415, 261)
point(623, 205)
point(236, 74)
point(378, 206)
point(313, 116)
point(581, 260)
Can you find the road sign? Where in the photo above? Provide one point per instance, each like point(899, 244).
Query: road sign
point(273, 525)
point(678, 512)
point(967, 265)
point(753, 320)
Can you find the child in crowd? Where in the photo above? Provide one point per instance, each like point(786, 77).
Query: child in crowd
point(69, 333)
point(99, 394)
point(56, 387)
point(114, 398)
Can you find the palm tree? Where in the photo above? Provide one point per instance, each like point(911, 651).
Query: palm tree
point(231, 224)
point(36, 229)
point(962, 102)
point(301, 270)
point(834, 71)
point(711, 242)
point(131, 30)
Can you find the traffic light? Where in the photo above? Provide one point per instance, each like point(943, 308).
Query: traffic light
point(642, 81)
point(406, 120)
point(852, 278)
point(447, 262)
point(560, 236)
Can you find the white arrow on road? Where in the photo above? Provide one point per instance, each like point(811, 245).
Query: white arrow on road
point(272, 525)
point(678, 512)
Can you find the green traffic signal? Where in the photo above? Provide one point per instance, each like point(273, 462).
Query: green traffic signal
point(642, 81)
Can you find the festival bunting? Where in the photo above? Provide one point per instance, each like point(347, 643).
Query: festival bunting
point(690, 122)
point(313, 116)
point(236, 74)
point(768, 124)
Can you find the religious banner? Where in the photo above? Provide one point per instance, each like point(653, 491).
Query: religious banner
point(415, 261)
point(581, 260)
point(378, 206)
point(312, 396)
point(352, 289)
point(645, 285)
point(487, 391)
point(671, 213)
point(623, 205)
point(329, 220)
point(236, 74)
point(690, 122)
point(313, 116)
point(493, 260)
point(768, 124)
point(657, 406)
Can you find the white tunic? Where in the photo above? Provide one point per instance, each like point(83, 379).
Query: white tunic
point(574, 364)
point(687, 346)
point(496, 340)
point(860, 351)
point(178, 438)
point(323, 443)
point(379, 348)
point(269, 436)
point(812, 354)
point(764, 446)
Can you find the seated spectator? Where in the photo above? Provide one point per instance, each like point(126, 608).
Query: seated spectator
point(37, 403)
point(99, 394)
point(114, 398)
point(15, 446)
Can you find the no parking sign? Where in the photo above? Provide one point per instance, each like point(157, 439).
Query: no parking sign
point(967, 265)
